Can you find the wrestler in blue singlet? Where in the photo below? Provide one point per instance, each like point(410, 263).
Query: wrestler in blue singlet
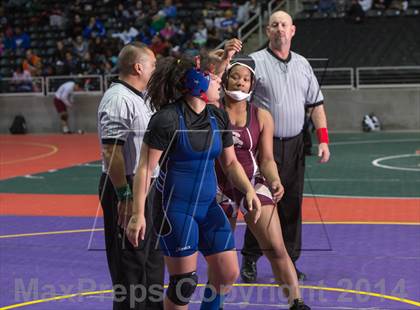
point(194, 220)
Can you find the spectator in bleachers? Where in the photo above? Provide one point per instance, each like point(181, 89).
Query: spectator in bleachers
point(159, 46)
point(56, 17)
point(75, 27)
point(2, 45)
point(401, 5)
point(60, 51)
point(71, 65)
point(75, 8)
point(128, 35)
point(366, 4)
point(213, 38)
point(200, 36)
point(382, 4)
point(181, 36)
point(32, 63)
point(94, 29)
point(169, 10)
point(122, 14)
point(228, 25)
point(225, 4)
point(191, 49)
point(356, 13)
point(254, 7)
point(96, 46)
point(169, 31)
point(8, 41)
point(21, 39)
point(80, 47)
point(327, 6)
point(21, 80)
point(243, 12)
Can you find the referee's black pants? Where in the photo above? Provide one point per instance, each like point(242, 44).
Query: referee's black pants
point(137, 273)
point(290, 160)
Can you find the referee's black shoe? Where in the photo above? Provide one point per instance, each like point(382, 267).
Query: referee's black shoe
point(248, 270)
point(298, 304)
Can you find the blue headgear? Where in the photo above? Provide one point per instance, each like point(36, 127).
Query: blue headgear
point(196, 82)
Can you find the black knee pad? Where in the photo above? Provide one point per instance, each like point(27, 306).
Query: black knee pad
point(181, 287)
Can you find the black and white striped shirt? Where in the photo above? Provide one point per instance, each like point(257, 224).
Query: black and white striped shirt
point(285, 88)
point(123, 117)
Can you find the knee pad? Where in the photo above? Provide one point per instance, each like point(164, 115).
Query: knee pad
point(181, 287)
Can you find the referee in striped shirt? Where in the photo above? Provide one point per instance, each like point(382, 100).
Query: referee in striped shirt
point(286, 85)
point(137, 274)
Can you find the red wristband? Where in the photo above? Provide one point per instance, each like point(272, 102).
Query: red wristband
point(322, 134)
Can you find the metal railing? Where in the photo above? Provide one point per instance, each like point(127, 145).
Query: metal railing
point(90, 84)
point(335, 78)
point(329, 78)
point(275, 5)
point(35, 86)
point(108, 78)
point(255, 23)
point(385, 77)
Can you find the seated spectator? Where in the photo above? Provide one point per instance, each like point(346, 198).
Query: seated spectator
point(200, 36)
point(122, 14)
point(75, 27)
point(32, 63)
point(60, 51)
point(127, 35)
point(2, 45)
point(242, 15)
point(366, 5)
point(21, 39)
point(169, 31)
point(158, 23)
point(382, 4)
point(401, 5)
point(181, 35)
point(70, 65)
point(356, 13)
point(21, 80)
point(213, 38)
point(8, 41)
point(254, 7)
point(191, 49)
point(94, 29)
point(327, 6)
point(56, 17)
point(169, 10)
point(228, 25)
point(159, 45)
point(145, 35)
point(225, 4)
point(80, 47)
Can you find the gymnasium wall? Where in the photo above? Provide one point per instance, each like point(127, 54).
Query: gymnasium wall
point(397, 108)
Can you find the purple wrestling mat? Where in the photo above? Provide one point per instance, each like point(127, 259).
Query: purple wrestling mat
point(348, 267)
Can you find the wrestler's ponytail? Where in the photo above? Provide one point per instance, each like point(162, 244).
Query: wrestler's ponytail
point(167, 83)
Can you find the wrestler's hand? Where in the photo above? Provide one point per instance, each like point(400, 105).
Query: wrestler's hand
point(231, 47)
point(136, 229)
point(124, 212)
point(254, 206)
point(323, 152)
point(277, 190)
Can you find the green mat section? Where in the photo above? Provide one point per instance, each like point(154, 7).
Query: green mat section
point(349, 172)
point(82, 179)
